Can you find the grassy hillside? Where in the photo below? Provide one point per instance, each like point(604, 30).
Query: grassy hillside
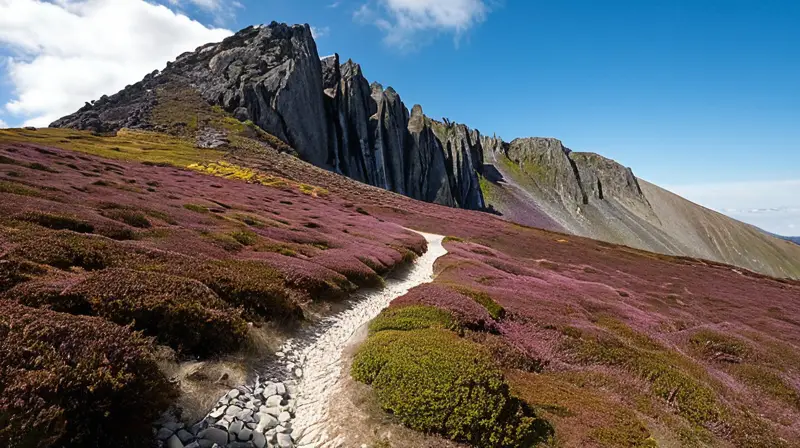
point(578, 342)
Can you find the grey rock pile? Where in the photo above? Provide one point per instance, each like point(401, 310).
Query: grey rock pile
point(257, 416)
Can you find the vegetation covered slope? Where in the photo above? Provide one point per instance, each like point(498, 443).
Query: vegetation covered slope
point(591, 343)
point(657, 220)
point(153, 238)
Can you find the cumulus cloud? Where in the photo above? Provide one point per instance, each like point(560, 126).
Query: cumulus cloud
point(73, 51)
point(404, 21)
point(3, 124)
point(771, 205)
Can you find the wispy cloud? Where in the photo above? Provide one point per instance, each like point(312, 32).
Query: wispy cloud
point(407, 23)
point(318, 32)
point(335, 5)
point(3, 124)
point(771, 205)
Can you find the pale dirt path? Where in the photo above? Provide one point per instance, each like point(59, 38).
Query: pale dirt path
point(320, 358)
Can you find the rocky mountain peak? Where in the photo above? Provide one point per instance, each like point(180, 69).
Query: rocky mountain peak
point(333, 117)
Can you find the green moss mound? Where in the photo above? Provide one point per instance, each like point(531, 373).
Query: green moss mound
point(75, 381)
point(436, 382)
point(415, 317)
point(495, 309)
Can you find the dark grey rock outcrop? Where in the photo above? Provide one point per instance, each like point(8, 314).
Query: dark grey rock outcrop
point(327, 111)
point(374, 139)
point(271, 75)
point(129, 108)
point(573, 177)
point(334, 118)
point(464, 161)
point(427, 176)
point(268, 74)
point(547, 162)
point(603, 178)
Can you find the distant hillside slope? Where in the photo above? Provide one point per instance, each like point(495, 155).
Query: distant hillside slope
point(271, 78)
point(539, 182)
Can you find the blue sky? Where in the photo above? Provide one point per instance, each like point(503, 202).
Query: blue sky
point(694, 95)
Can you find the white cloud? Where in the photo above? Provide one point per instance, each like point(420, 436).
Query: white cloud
point(73, 51)
point(320, 32)
point(404, 21)
point(3, 124)
point(771, 205)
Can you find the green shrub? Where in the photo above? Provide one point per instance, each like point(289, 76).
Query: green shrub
point(245, 237)
point(495, 310)
point(452, 239)
point(13, 272)
point(56, 222)
point(182, 313)
point(196, 208)
point(250, 220)
point(224, 241)
point(75, 381)
point(415, 317)
point(115, 231)
point(719, 346)
point(65, 250)
point(49, 292)
point(133, 218)
point(433, 381)
point(17, 189)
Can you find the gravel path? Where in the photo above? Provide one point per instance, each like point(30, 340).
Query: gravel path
point(288, 404)
point(321, 360)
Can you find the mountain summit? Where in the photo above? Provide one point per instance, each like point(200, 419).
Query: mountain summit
point(271, 77)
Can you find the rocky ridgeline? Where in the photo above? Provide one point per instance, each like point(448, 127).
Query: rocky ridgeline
point(334, 118)
point(570, 177)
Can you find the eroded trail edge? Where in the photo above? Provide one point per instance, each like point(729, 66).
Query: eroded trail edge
point(288, 404)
